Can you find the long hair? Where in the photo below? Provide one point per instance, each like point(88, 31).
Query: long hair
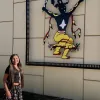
point(11, 70)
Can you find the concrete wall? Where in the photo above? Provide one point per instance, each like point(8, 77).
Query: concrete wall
point(76, 84)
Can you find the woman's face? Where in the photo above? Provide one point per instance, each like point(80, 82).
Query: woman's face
point(15, 60)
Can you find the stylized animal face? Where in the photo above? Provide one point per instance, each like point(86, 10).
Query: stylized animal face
point(60, 5)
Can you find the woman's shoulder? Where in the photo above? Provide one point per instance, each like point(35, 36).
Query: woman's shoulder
point(7, 69)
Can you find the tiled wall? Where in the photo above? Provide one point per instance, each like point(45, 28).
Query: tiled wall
point(76, 84)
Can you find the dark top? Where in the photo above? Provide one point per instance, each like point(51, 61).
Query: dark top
point(16, 74)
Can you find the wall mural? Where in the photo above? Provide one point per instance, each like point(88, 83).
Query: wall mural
point(64, 43)
point(61, 37)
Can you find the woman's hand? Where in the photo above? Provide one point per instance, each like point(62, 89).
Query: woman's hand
point(8, 94)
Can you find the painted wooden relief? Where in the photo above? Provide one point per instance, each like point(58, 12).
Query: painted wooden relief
point(61, 38)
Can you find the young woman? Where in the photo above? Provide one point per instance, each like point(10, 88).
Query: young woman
point(13, 79)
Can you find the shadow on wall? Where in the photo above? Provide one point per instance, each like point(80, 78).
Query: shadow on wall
point(32, 96)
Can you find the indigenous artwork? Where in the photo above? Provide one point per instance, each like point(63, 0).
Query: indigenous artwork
point(61, 38)
point(57, 40)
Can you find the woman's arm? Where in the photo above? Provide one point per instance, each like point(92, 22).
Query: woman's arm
point(8, 94)
point(22, 79)
point(4, 82)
